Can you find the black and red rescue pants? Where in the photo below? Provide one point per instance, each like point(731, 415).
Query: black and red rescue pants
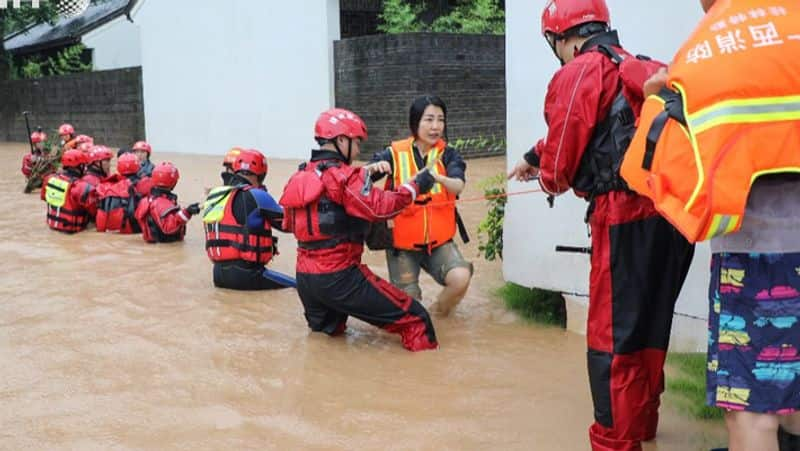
point(329, 298)
point(639, 264)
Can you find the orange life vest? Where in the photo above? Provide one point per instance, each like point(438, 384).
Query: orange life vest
point(431, 220)
point(71, 144)
point(730, 115)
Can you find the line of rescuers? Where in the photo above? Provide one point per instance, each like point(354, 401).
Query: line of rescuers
point(328, 205)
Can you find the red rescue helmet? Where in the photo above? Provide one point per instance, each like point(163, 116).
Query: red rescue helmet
point(85, 147)
point(37, 137)
point(340, 122)
point(66, 129)
point(142, 145)
point(80, 139)
point(230, 157)
point(73, 159)
point(128, 164)
point(100, 153)
point(251, 161)
point(165, 175)
point(559, 16)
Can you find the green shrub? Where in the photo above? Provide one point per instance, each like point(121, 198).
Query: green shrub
point(535, 304)
point(67, 61)
point(490, 230)
point(469, 16)
point(399, 17)
point(473, 17)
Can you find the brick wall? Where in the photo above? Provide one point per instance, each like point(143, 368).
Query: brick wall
point(379, 76)
point(106, 105)
point(359, 17)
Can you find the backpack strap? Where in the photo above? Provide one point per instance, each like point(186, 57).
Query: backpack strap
point(610, 53)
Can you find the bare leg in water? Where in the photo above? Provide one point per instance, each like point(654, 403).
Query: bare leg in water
point(456, 285)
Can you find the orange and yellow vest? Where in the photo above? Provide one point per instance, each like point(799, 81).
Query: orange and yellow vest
point(730, 113)
point(431, 220)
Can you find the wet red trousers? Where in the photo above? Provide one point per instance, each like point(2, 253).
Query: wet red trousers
point(639, 264)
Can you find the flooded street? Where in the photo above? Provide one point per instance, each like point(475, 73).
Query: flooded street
point(108, 343)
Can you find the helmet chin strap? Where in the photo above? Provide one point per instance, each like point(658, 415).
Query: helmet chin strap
point(349, 149)
point(97, 166)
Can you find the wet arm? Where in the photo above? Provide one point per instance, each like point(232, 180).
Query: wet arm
point(455, 181)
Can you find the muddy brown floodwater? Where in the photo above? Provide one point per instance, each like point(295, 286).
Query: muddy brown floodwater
point(108, 343)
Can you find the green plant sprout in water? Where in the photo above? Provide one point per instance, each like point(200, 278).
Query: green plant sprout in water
point(490, 229)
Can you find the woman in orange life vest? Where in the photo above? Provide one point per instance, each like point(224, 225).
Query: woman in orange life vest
point(423, 233)
point(69, 199)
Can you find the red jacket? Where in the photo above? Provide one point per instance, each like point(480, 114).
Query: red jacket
point(578, 98)
point(161, 218)
point(342, 185)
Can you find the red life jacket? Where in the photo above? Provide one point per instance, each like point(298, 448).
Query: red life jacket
point(63, 214)
point(316, 221)
point(116, 206)
point(226, 239)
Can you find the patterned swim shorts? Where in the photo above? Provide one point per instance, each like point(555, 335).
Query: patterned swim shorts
point(754, 333)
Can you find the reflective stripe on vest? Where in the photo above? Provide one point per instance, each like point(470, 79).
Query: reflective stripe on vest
point(768, 109)
point(736, 127)
point(404, 161)
point(430, 221)
point(739, 111)
point(62, 213)
point(722, 224)
point(56, 192)
point(214, 206)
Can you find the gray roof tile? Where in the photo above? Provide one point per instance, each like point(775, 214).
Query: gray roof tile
point(65, 30)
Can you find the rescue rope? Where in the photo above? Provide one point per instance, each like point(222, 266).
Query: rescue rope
point(489, 197)
point(683, 315)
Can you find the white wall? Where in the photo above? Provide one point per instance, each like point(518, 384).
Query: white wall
point(251, 73)
point(115, 44)
point(651, 28)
